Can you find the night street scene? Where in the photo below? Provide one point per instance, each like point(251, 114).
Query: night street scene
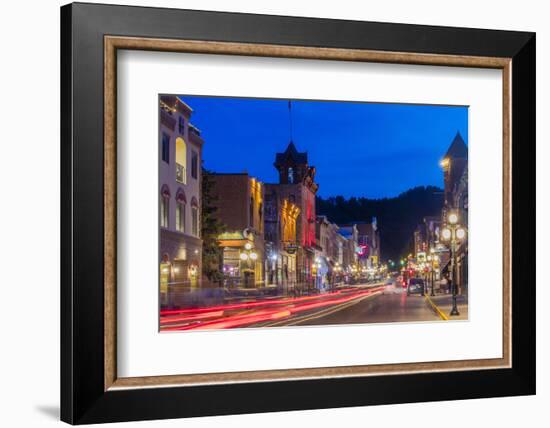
point(278, 212)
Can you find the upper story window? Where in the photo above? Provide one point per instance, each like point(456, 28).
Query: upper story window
point(251, 212)
point(181, 161)
point(181, 125)
point(195, 227)
point(164, 207)
point(180, 216)
point(291, 175)
point(165, 147)
point(195, 221)
point(194, 164)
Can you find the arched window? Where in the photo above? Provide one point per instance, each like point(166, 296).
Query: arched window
point(164, 205)
point(181, 203)
point(181, 160)
point(291, 175)
point(195, 217)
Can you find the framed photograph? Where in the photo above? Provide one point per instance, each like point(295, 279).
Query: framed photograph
point(267, 213)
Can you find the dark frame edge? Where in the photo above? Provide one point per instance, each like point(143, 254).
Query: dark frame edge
point(66, 304)
point(524, 216)
point(82, 401)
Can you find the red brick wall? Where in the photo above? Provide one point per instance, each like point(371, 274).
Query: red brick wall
point(233, 194)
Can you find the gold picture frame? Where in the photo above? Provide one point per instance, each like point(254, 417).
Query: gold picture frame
point(114, 43)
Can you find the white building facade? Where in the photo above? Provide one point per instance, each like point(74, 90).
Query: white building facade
point(180, 154)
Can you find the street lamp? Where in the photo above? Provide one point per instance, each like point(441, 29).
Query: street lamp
point(432, 258)
point(249, 256)
point(454, 233)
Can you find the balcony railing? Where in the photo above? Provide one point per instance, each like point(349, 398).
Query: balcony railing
point(181, 176)
point(167, 119)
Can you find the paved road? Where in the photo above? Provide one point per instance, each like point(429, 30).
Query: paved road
point(391, 306)
point(368, 303)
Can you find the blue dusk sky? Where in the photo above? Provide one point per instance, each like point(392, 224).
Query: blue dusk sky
point(358, 149)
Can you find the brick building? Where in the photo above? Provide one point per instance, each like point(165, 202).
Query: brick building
point(280, 227)
point(239, 200)
point(297, 186)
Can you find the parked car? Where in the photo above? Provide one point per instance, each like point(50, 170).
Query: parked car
point(416, 286)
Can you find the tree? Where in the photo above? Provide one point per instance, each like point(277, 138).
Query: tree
point(211, 228)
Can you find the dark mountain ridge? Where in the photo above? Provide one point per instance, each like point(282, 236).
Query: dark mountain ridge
point(397, 217)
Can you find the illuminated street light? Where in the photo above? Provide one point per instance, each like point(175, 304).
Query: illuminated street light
point(253, 256)
point(453, 218)
point(244, 256)
point(248, 246)
point(454, 233)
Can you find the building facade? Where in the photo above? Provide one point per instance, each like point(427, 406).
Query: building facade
point(350, 245)
point(325, 257)
point(455, 176)
point(454, 164)
point(461, 204)
point(180, 153)
point(297, 186)
point(368, 240)
point(280, 226)
point(239, 202)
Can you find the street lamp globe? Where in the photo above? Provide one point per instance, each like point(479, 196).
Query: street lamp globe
point(446, 234)
point(244, 256)
point(460, 233)
point(248, 246)
point(253, 256)
point(453, 218)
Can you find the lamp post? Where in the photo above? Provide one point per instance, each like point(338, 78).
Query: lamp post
point(432, 258)
point(249, 256)
point(453, 233)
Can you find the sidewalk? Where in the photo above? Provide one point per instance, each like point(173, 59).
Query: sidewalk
point(444, 302)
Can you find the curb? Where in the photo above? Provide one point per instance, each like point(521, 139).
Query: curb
point(436, 308)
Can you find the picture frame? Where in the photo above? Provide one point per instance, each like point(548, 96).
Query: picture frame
point(91, 35)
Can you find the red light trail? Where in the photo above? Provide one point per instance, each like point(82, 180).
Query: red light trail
point(264, 311)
